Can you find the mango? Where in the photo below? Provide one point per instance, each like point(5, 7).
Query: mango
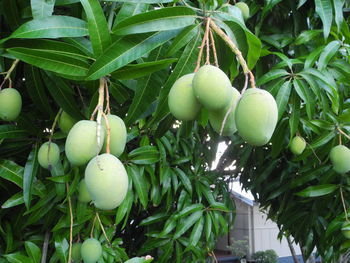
point(91, 250)
point(256, 116)
point(340, 158)
point(217, 117)
point(48, 158)
point(182, 101)
point(76, 252)
point(244, 8)
point(84, 195)
point(10, 104)
point(107, 181)
point(81, 144)
point(118, 135)
point(297, 145)
point(66, 122)
point(212, 88)
point(345, 229)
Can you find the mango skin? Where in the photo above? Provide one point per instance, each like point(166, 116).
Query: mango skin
point(81, 144)
point(182, 102)
point(118, 135)
point(84, 195)
point(44, 155)
point(297, 145)
point(66, 122)
point(212, 88)
point(244, 8)
point(107, 181)
point(256, 116)
point(91, 250)
point(10, 104)
point(217, 117)
point(76, 252)
point(340, 158)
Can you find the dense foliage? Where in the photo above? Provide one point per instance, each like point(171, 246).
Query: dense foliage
point(176, 207)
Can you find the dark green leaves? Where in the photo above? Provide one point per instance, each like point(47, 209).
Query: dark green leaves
point(12, 131)
point(324, 10)
point(319, 190)
point(144, 155)
point(30, 171)
point(157, 20)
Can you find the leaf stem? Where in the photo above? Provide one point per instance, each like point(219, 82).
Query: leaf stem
point(8, 74)
point(53, 127)
point(343, 133)
point(92, 227)
point(71, 226)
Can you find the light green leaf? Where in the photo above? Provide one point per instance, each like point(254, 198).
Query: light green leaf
point(283, 98)
point(319, 190)
point(189, 210)
point(197, 232)
point(187, 223)
point(322, 139)
point(140, 183)
point(271, 75)
point(184, 179)
point(338, 12)
point(183, 38)
point(16, 199)
point(325, 11)
point(12, 172)
point(97, 24)
point(328, 52)
point(306, 36)
point(144, 155)
point(33, 251)
point(17, 258)
point(42, 8)
point(61, 246)
point(29, 175)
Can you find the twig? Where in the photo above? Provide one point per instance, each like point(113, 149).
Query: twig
point(108, 133)
point(207, 29)
point(8, 74)
point(216, 61)
point(71, 226)
point(313, 151)
point(93, 226)
point(50, 137)
point(340, 130)
point(45, 246)
point(103, 229)
point(235, 50)
point(343, 202)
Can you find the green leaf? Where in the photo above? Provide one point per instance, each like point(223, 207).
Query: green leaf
point(140, 183)
point(157, 20)
point(52, 27)
point(16, 199)
point(128, 10)
point(295, 114)
point(12, 172)
point(42, 8)
point(12, 131)
point(61, 246)
point(283, 98)
point(184, 179)
point(61, 178)
point(338, 12)
point(318, 190)
point(271, 75)
point(329, 51)
point(208, 226)
point(189, 210)
point(305, 94)
point(143, 1)
point(324, 10)
point(54, 61)
point(197, 232)
point(144, 155)
point(183, 38)
point(97, 24)
point(126, 50)
point(187, 223)
point(33, 251)
point(125, 207)
point(29, 175)
point(322, 139)
point(153, 219)
point(307, 36)
point(17, 258)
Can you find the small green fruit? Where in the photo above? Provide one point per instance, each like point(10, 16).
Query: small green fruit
point(10, 104)
point(66, 122)
point(48, 157)
point(84, 195)
point(345, 229)
point(106, 181)
point(217, 117)
point(118, 135)
point(81, 144)
point(212, 88)
point(340, 158)
point(76, 252)
point(256, 116)
point(91, 250)
point(244, 8)
point(182, 101)
point(297, 145)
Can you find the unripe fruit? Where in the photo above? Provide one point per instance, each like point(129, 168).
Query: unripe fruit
point(182, 101)
point(340, 158)
point(118, 135)
point(91, 250)
point(345, 229)
point(10, 104)
point(106, 181)
point(84, 195)
point(76, 252)
point(81, 144)
point(66, 122)
point(217, 117)
point(297, 145)
point(48, 157)
point(256, 116)
point(212, 88)
point(244, 8)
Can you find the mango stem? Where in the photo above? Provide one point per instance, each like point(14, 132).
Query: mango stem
point(8, 74)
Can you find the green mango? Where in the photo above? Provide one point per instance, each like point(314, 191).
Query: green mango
point(48, 158)
point(10, 104)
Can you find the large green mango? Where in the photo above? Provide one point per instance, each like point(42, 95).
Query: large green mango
point(81, 144)
point(182, 101)
point(217, 117)
point(256, 116)
point(48, 158)
point(66, 122)
point(212, 88)
point(10, 104)
point(91, 250)
point(118, 135)
point(107, 181)
point(340, 158)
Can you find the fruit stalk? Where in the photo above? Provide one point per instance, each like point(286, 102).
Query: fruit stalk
point(108, 108)
point(343, 133)
point(103, 229)
point(51, 134)
point(100, 109)
point(235, 50)
point(204, 40)
point(216, 61)
point(343, 202)
point(207, 29)
point(108, 133)
point(8, 74)
point(70, 227)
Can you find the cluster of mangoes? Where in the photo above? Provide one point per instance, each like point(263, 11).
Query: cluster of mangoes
point(253, 114)
point(10, 104)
